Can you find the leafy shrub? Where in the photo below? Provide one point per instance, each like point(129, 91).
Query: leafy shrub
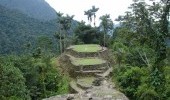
point(140, 56)
point(120, 52)
point(167, 74)
point(130, 80)
point(36, 78)
point(12, 83)
point(145, 92)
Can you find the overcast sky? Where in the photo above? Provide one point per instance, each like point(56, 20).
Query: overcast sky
point(77, 7)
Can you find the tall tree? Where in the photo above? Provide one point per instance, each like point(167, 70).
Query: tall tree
point(91, 13)
point(106, 25)
point(87, 34)
point(94, 10)
point(64, 27)
point(161, 47)
point(149, 26)
point(66, 24)
point(59, 14)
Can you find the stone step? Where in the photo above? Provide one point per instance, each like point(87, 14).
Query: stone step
point(106, 73)
point(74, 86)
point(90, 71)
point(85, 82)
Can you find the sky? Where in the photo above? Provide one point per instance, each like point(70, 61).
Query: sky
point(77, 8)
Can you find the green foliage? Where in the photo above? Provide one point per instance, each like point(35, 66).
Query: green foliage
point(12, 82)
point(157, 79)
point(63, 85)
point(167, 85)
point(167, 60)
point(106, 26)
point(141, 56)
point(87, 34)
point(17, 29)
point(91, 13)
point(25, 76)
point(143, 30)
point(130, 80)
point(120, 51)
point(145, 92)
point(40, 10)
point(45, 43)
point(167, 92)
point(65, 24)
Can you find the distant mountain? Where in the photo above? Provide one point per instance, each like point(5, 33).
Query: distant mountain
point(17, 29)
point(38, 9)
point(26, 21)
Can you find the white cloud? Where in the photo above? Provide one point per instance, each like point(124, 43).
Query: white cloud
point(77, 7)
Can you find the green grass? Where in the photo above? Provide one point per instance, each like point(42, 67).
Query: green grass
point(87, 48)
point(54, 62)
point(85, 81)
point(88, 61)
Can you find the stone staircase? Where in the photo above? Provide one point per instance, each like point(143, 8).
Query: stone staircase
point(90, 82)
point(75, 87)
point(106, 73)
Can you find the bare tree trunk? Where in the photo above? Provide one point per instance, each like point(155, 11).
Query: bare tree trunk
point(145, 60)
point(60, 40)
point(94, 22)
point(64, 42)
point(104, 38)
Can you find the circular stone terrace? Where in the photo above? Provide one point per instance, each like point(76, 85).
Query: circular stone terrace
point(88, 65)
point(87, 61)
point(86, 58)
point(86, 48)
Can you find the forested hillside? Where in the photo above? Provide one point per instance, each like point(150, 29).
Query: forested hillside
point(38, 9)
point(17, 30)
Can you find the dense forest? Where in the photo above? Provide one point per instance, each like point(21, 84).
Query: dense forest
point(18, 29)
point(43, 12)
point(140, 45)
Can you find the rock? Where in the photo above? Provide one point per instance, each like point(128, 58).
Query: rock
point(97, 82)
point(108, 97)
point(70, 97)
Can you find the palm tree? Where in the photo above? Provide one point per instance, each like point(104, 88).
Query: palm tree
point(94, 10)
point(107, 25)
point(64, 26)
point(60, 15)
point(66, 23)
point(89, 15)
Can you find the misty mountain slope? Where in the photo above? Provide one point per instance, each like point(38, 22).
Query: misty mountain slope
point(17, 29)
point(38, 9)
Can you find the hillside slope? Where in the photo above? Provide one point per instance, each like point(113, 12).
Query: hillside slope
point(17, 29)
point(38, 9)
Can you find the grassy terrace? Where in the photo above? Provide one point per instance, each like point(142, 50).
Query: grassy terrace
point(85, 81)
point(87, 61)
point(87, 48)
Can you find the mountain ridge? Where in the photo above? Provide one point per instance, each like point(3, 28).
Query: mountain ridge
point(17, 29)
point(38, 9)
